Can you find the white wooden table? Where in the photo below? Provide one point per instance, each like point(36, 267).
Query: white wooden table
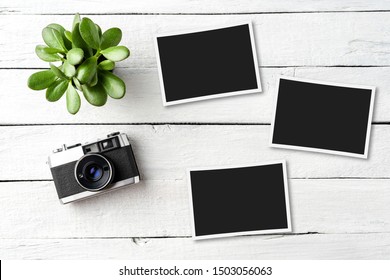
point(340, 206)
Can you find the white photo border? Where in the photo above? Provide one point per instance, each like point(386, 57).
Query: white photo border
point(325, 151)
point(241, 233)
point(212, 96)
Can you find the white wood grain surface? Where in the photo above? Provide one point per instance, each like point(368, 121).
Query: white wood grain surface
point(142, 102)
point(340, 206)
point(160, 208)
point(165, 151)
point(306, 39)
point(310, 246)
point(188, 6)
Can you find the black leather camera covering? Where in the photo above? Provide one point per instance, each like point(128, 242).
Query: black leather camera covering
point(122, 160)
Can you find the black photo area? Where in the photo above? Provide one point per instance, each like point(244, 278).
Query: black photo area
point(238, 199)
point(322, 116)
point(206, 63)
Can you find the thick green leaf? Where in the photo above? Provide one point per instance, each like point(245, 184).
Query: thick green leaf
point(106, 65)
point(89, 33)
point(94, 80)
point(96, 95)
point(113, 85)
point(78, 42)
point(77, 83)
point(75, 56)
point(111, 38)
point(41, 80)
point(99, 31)
point(58, 72)
point(57, 27)
point(69, 69)
point(116, 53)
point(48, 49)
point(53, 38)
point(87, 70)
point(76, 20)
point(68, 36)
point(61, 29)
point(47, 54)
point(56, 90)
point(73, 101)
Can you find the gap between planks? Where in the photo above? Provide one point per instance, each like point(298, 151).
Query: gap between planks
point(290, 178)
point(135, 238)
point(12, 12)
point(153, 124)
point(261, 67)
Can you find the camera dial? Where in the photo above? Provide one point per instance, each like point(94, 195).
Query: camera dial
point(94, 172)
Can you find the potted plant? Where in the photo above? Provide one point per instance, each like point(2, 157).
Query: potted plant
point(85, 58)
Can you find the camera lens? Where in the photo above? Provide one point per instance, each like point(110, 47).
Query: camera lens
point(94, 172)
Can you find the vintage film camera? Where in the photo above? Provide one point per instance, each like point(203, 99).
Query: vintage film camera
point(82, 171)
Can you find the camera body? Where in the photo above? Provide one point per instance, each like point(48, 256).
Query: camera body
point(83, 171)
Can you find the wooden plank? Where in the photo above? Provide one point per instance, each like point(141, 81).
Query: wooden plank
point(160, 208)
point(307, 39)
point(187, 6)
point(314, 246)
point(142, 103)
point(165, 151)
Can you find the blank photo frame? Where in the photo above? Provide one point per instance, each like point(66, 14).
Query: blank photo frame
point(322, 117)
point(239, 200)
point(205, 64)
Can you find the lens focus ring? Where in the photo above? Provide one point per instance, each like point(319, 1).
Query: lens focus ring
point(93, 172)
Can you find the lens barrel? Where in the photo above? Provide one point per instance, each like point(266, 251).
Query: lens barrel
point(94, 172)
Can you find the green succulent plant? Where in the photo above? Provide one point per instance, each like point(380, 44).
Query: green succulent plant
point(85, 57)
